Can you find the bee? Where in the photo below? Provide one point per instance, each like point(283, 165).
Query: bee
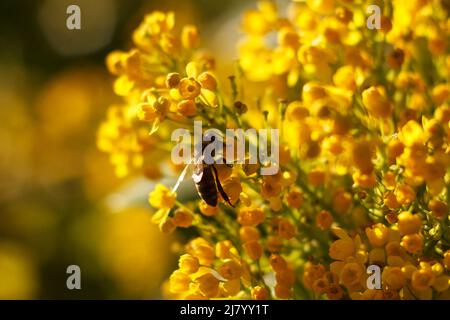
point(208, 184)
point(206, 179)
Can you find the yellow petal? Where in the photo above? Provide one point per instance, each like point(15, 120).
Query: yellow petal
point(208, 97)
point(159, 215)
point(340, 233)
point(192, 70)
point(175, 94)
point(123, 85)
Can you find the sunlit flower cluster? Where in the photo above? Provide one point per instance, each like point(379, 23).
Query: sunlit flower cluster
point(364, 122)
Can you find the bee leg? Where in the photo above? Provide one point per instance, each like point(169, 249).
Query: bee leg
point(220, 188)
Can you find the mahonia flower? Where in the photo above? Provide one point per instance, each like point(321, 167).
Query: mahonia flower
point(364, 156)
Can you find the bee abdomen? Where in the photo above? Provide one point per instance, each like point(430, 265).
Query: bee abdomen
point(207, 188)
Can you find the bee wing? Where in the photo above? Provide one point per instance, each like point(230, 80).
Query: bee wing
point(198, 172)
point(181, 177)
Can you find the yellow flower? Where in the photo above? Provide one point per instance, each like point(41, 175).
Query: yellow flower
point(405, 194)
point(250, 216)
point(151, 111)
point(166, 224)
point(342, 249)
point(422, 279)
point(440, 93)
point(321, 285)
point(173, 80)
point(207, 210)
point(286, 229)
point(277, 263)
point(189, 88)
point(408, 270)
point(254, 249)
point(394, 149)
point(351, 274)
point(207, 284)
point(345, 78)
point(270, 189)
point(162, 198)
point(393, 248)
point(230, 287)
point(158, 22)
point(282, 291)
point(377, 104)
point(446, 260)
point(377, 256)
point(412, 133)
point(389, 180)
point(254, 22)
point(179, 282)
point(322, 6)
point(202, 250)
point(409, 223)
point(335, 292)
point(362, 153)
point(342, 201)
point(378, 235)
point(441, 283)
point(390, 200)
point(288, 38)
point(295, 111)
point(196, 86)
point(207, 81)
point(396, 58)
point(232, 187)
point(188, 264)
point(230, 269)
point(394, 277)
point(190, 37)
point(413, 243)
point(294, 199)
point(285, 277)
point(363, 180)
point(225, 250)
point(274, 244)
point(312, 272)
point(187, 108)
point(247, 233)
point(316, 177)
point(372, 294)
point(182, 218)
point(324, 220)
point(437, 269)
point(259, 293)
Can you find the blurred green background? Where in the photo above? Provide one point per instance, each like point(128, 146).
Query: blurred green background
point(59, 200)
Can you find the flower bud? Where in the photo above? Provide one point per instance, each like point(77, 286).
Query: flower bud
point(173, 80)
point(207, 81)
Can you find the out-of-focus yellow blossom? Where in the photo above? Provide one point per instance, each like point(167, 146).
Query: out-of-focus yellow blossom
point(17, 273)
point(378, 235)
point(163, 199)
point(125, 245)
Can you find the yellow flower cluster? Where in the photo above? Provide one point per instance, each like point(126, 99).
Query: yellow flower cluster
point(364, 175)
